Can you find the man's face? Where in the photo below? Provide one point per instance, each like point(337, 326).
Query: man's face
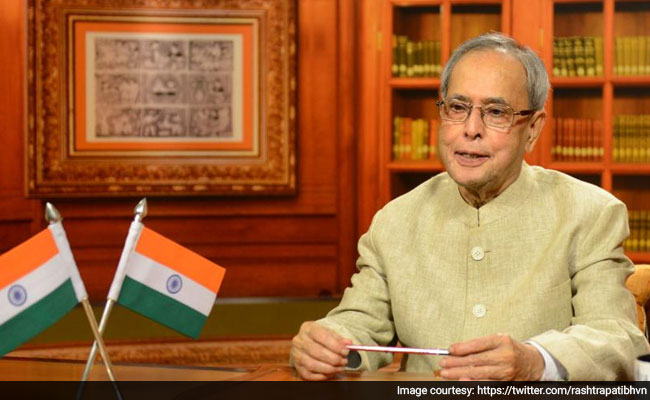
point(480, 158)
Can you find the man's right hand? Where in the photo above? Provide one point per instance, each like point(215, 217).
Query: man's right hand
point(318, 353)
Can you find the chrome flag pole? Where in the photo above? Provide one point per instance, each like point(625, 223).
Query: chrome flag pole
point(140, 212)
point(53, 216)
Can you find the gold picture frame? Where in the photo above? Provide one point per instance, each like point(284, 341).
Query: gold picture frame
point(160, 98)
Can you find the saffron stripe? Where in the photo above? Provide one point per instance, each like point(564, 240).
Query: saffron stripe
point(26, 257)
point(177, 257)
point(161, 308)
point(37, 318)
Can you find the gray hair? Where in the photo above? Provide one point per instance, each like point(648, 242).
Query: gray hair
point(537, 84)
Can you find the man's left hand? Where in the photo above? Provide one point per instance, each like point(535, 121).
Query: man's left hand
point(497, 357)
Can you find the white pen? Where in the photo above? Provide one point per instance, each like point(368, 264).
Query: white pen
point(389, 349)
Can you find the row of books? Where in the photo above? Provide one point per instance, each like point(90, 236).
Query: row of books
point(577, 139)
point(414, 139)
point(631, 138)
point(415, 58)
point(639, 239)
point(632, 55)
point(578, 56)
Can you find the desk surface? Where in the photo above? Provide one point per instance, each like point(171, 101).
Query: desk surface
point(21, 369)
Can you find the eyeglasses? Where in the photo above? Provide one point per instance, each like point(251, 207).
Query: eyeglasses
point(496, 116)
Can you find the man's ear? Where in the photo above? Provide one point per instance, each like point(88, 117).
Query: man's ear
point(535, 126)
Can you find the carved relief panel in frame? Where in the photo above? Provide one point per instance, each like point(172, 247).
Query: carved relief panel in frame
point(164, 97)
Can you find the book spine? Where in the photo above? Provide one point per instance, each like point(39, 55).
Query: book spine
point(644, 240)
point(424, 145)
point(591, 148)
point(556, 57)
point(634, 231)
point(397, 128)
point(627, 55)
point(401, 44)
point(635, 129)
point(556, 139)
point(616, 138)
point(418, 64)
point(394, 68)
point(598, 49)
point(634, 55)
point(590, 56)
point(416, 137)
point(564, 52)
point(618, 51)
point(598, 139)
point(410, 59)
point(579, 53)
point(434, 124)
point(645, 129)
point(571, 140)
point(570, 57)
point(647, 55)
point(643, 59)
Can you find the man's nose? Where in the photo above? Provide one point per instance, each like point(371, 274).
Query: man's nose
point(474, 124)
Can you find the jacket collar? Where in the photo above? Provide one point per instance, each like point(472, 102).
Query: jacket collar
point(502, 205)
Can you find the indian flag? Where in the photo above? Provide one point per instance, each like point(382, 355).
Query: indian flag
point(166, 282)
point(39, 284)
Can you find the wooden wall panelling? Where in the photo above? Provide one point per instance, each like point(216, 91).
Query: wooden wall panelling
point(16, 213)
point(369, 42)
point(302, 245)
point(347, 140)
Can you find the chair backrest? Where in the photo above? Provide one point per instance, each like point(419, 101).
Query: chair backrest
point(639, 285)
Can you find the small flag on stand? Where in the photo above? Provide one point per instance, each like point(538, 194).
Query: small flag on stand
point(39, 284)
point(166, 282)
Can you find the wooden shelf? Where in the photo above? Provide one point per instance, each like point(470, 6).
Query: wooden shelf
point(641, 80)
point(577, 167)
point(631, 168)
point(639, 257)
point(416, 3)
point(577, 82)
point(414, 83)
point(576, 1)
point(415, 166)
point(428, 3)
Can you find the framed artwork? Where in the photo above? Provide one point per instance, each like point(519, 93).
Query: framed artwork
point(160, 97)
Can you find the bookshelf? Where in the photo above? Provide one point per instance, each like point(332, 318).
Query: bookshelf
point(619, 100)
point(592, 111)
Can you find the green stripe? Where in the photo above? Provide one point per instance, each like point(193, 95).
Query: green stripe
point(37, 317)
point(161, 308)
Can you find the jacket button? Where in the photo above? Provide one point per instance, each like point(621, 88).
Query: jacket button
point(479, 310)
point(477, 253)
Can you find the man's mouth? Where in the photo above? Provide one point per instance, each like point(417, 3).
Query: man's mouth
point(470, 155)
point(471, 159)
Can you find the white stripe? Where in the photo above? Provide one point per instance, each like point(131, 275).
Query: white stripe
point(38, 284)
point(129, 245)
point(148, 272)
point(64, 250)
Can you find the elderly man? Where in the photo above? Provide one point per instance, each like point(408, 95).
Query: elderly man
point(518, 270)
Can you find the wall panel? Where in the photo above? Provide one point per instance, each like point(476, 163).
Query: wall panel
point(271, 246)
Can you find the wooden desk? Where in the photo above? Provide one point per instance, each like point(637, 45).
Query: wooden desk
point(22, 369)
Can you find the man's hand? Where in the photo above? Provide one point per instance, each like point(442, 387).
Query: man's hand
point(497, 357)
point(318, 353)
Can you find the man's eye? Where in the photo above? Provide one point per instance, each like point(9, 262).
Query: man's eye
point(496, 111)
point(457, 107)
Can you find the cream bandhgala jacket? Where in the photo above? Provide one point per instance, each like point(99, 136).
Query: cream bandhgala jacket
point(542, 261)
